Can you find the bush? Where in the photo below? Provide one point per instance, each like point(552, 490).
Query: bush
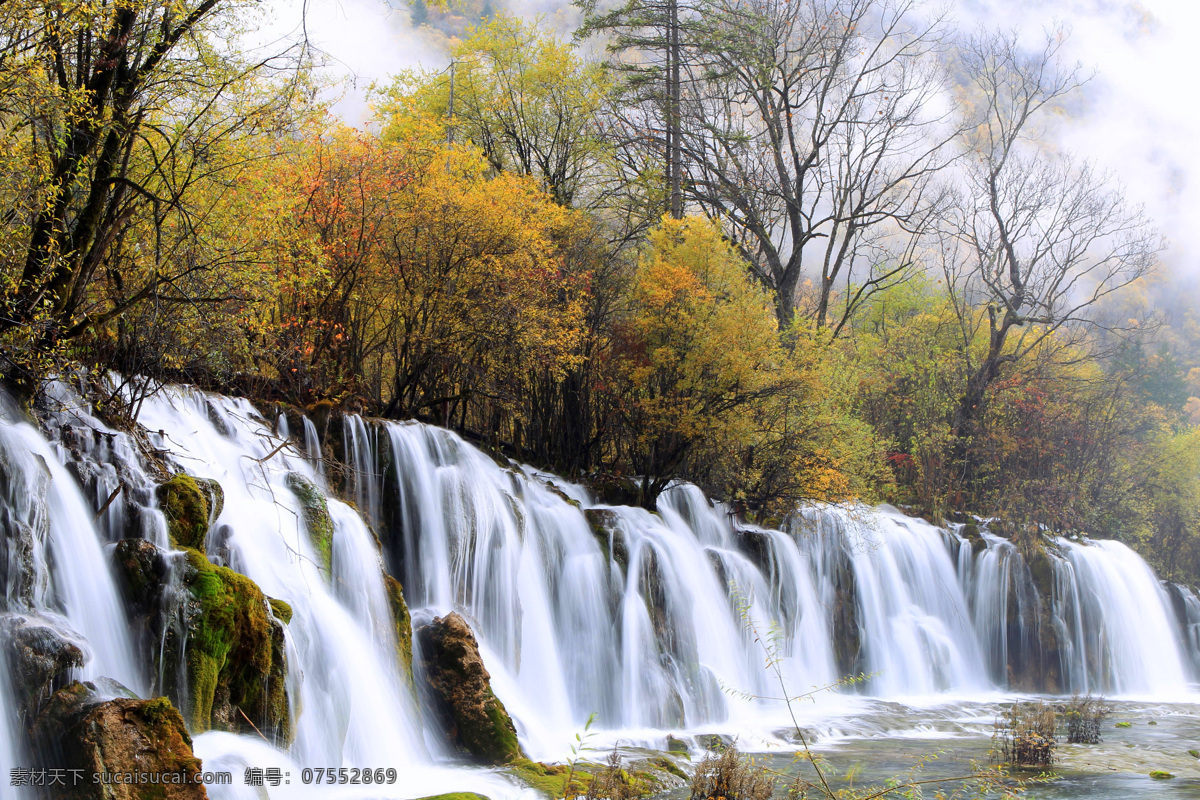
point(1025, 734)
point(1084, 716)
point(729, 776)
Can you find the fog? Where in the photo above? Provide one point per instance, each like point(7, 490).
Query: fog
point(1137, 117)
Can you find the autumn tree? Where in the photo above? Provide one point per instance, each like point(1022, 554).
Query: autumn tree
point(113, 113)
point(524, 98)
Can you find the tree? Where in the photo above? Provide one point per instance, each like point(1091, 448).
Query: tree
point(1035, 240)
point(524, 98)
point(647, 40)
point(113, 111)
point(808, 131)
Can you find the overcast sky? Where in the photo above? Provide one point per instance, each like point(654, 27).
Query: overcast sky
point(1140, 117)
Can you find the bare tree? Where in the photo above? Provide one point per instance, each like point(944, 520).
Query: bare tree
point(815, 131)
point(1035, 241)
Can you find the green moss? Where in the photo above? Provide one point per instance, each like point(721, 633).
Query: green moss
point(550, 779)
point(1124, 724)
point(403, 621)
point(186, 510)
point(1194, 753)
point(677, 746)
point(315, 512)
point(281, 610)
point(496, 738)
point(456, 796)
point(233, 644)
point(668, 766)
point(1160, 775)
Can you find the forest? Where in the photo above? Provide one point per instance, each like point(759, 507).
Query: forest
point(784, 250)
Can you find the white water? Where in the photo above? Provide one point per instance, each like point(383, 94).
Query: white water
point(652, 626)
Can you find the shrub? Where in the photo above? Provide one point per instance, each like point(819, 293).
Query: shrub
point(1084, 716)
point(1025, 734)
point(727, 775)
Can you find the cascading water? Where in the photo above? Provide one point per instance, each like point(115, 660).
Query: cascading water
point(655, 621)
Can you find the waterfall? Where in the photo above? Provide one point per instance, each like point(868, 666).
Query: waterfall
point(1126, 622)
point(677, 619)
point(68, 568)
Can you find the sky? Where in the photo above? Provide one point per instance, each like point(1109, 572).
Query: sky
point(1138, 118)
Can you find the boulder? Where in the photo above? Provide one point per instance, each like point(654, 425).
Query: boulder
point(459, 688)
point(77, 731)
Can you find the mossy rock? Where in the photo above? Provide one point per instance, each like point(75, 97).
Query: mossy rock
point(679, 746)
point(1194, 753)
point(78, 731)
point(970, 532)
point(551, 779)
point(403, 620)
point(459, 688)
point(281, 610)
point(1161, 775)
point(186, 509)
point(456, 796)
point(315, 511)
point(1124, 725)
point(664, 764)
point(235, 657)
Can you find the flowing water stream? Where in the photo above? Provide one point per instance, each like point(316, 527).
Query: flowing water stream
point(656, 622)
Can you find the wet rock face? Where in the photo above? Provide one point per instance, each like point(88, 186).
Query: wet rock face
point(23, 526)
point(459, 688)
point(77, 731)
point(403, 622)
point(142, 570)
point(315, 511)
point(40, 659)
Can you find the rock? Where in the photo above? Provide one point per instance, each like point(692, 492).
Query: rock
point(142, 570)
point(186, 509)
point(403, 620)
point(40, 659)
point(215, 496)
point(459, 687)
point(315, 512)
point(970, 532)
point(117, 736)
point(1160, 775)
point(603, 522)
point(756, 545)
point(1194, 753)
point(235, 657)
point(614, 490)
point(456, 796)
point(677, 745)
point(1124, 725)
